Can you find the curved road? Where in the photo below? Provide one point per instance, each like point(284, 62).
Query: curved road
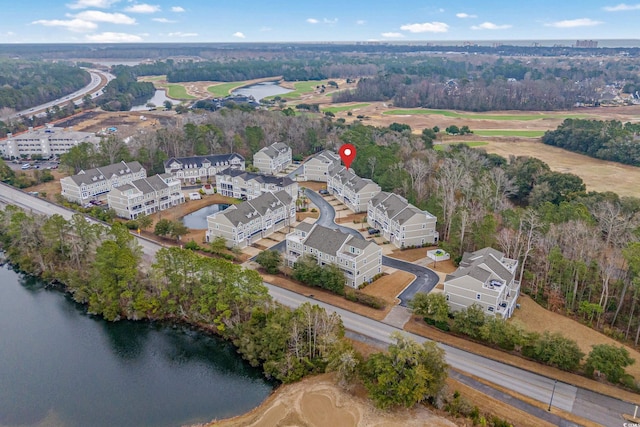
point(598, 408)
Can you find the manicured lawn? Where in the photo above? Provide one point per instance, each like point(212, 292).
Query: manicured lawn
point(509, 132)
point(440, 147)
point(152, 78)
point(224, 89)
point(449, 113)
point(178, 92)
point(344, 108)
point(303, 87)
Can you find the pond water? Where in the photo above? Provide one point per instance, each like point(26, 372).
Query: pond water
point(158, 100)
point(261, 90)
point(198, 219)
point(62, 367)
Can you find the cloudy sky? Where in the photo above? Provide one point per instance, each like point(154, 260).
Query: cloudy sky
point(74, 21)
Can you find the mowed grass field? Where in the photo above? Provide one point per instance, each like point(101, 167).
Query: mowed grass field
point(477, 116)
point(510, 132)
point(441, 147)
point(224, 89)
point(344, 108)
point(178, 91)
point(302, 88)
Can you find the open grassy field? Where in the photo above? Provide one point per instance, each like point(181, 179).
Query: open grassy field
point(475, 116)
point(177, 91)
point(224, 89)
point(510, 132)
point(302, 88)
point(344, 108)
point(440, 147)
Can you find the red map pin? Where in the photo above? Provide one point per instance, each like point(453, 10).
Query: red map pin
point(347, 154)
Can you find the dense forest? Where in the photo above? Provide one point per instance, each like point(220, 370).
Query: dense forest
point(24, 84)
point(606, 140)
point(121, 93)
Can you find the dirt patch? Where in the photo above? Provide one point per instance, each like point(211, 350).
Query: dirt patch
point(410, 255)
point(301, 216)
point(318, 402)
point(313, 185)
point(389, 286)
point(356, 218)
point(536, 318)
point(127, 123)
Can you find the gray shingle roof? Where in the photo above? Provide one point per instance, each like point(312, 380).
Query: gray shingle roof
point(105, 172)
point(197, 161)
point(304, 226)
point(249, 210)
point(157, 182)
point(274, 150)
point(261, 178)
point(325, 239)
point(482, 264)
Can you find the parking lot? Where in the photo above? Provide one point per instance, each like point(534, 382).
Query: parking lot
point(19, 165)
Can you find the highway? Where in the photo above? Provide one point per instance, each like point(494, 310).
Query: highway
point(601, 409)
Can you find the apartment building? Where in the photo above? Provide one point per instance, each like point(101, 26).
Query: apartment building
point(247, 185)
point(87, 185)
point(400, 222)
point(487, 278)
point(190, 170)
point(244, 224)
point(317, 168)
point(46, 143)
point(273, 159)
point(358, 259)
point(350, 189)
point(145, 196)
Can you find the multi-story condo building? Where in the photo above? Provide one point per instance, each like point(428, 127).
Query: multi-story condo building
point(400, 222)
point(273, 159)
point(247, 186)
point(358, 259)
point(190, 170)
point(86, 185)
point(46, 143)
point(484, 277)
point(250, 221)
point(317, 168)
point(145, 196)
point(350, 189)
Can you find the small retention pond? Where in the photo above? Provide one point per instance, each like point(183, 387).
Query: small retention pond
point(198, 220)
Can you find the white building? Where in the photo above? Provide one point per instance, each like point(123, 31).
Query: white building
point(273, 159)
point(190, 170)
point(250, 221)
point(358, 259)
point(486, 278)
point(350, 189)
point(400, 222)
point(86, 185)
point(247, 186)
point(317, 168)
point(145, 196)
point(46, 143)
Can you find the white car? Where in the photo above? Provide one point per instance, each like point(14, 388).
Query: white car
point(26, 166)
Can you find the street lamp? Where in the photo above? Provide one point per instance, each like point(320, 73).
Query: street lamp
point(552, 393)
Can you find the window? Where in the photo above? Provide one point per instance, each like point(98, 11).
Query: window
point(478, 296)
point(447, 297)
point(490, 309)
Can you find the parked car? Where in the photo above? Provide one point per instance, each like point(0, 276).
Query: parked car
point(324, 192)
point(26, 166)
point(373, 231)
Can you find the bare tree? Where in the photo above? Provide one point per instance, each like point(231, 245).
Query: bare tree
point(452, 176)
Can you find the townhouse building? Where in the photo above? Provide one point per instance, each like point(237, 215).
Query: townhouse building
point(45, 143)
point(145, 196)
point(190, 170)
point(247, 185)
point(87, 185)
point(273, 159)
point(359, 260)
point(317, 168)
point(487, 278)
point(244, 224)
point(400, 222)
point(350, 189)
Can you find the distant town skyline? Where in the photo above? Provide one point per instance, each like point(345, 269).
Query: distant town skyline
point(129, 21)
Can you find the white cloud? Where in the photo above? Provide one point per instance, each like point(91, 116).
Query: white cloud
point(163, 20)
point(266, 29)
point(181, 34)
point(77, 25)
point(426, 27)
point(330, 21)
point(84, 4)
point(99, 16)
point(109, 37)
point(143, 8)
point(177, 9)
point(622, 7)
point(572, 23)
point(239, 35)
point(361, 22)
point(490, 26)
point(392, 35)
point(312, 21)
point(465, 15)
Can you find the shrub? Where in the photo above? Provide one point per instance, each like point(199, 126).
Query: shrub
point(132, 225)
point(192, 245)
point(362, 298)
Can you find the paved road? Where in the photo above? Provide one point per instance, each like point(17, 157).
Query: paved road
point(93, 88)
point(598, 408)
